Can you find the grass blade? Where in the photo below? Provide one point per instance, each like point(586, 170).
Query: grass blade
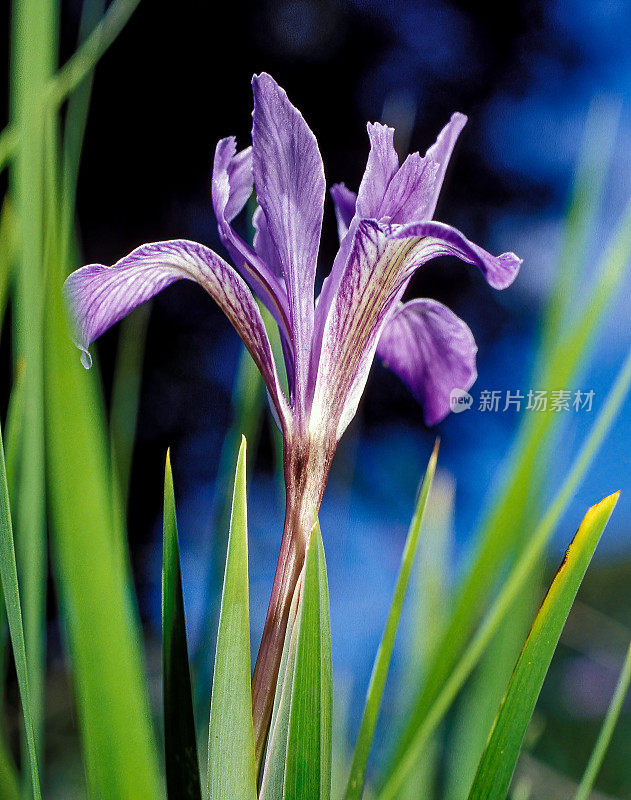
point(231, 771)
point(92, 577)
point(180, 746)
point(500, 756)
point(516, 581)
point(126, 395)
point(384, 654)
point(9, 576)
point(606, 732)
point(308, 765)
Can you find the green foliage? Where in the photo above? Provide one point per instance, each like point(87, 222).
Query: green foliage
point(515, 582)
point(298, 762)
point(606, 732)
point(180, 743)
point(9, 578)
point(384, 654)
point(500, 756)
point(231, 771)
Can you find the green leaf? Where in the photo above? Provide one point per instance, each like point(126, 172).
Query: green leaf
point(231, 771)
point(248, 398)
point(9, 576)
point(180, 744)
point(308, 768)
point(606, 732)
point(384, 654)
point(93, 577)
point(298, 759)
point(500, 756)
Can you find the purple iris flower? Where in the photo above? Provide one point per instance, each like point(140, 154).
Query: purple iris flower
point(386, 233)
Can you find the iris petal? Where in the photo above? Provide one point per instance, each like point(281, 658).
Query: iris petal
point(232, 185)
point(290, 187)
point(102, 295)
point(432, 351)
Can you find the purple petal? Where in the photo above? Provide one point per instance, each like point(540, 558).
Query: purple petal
point(410, 193)
point(439, 239)
point(100, 296)
point(344, 201)
point(290, 186)
point(370, 285)
point(231, 188)
point(381, 260)
point(441, 151)
point(432, 351)
point(381, 167)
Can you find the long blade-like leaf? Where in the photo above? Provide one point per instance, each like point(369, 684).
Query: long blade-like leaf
point(180, 744)
point(384, 654)
point(231, 771)
point(308, 766)
point(500, 756)
point(9, 576)
point(92, 576)
point(606, 732)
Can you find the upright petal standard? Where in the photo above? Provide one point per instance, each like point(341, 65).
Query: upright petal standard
point(386, 233)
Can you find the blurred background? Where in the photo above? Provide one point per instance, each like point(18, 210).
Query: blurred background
point(176, 80)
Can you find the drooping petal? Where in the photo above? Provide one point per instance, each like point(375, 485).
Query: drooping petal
point(432, 351)
point(443, 240)
point(101, 295)
point(381, 261)
point(381, 167)
point(232, 184)
point(440, 152)
point(290, 186)
point(344, 201)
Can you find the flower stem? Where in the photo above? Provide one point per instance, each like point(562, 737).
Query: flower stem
point(306, 470)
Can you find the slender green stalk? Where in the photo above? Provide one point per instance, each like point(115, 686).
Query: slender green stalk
point(516, 581)
point(9, 580)
point(34, 57)
point(74, 70)
point(381, 666)
point(606, 732)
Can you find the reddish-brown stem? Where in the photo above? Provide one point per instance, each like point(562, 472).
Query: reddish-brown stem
point(306, 470)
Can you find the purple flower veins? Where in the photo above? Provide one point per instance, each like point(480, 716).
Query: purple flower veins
point(386, 233)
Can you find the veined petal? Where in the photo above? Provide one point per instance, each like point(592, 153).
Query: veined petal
point(381, 167)
point(368, 288)
point(232, 184)
point(432, 351)
point(100, 296)
point(344, 200)
point(440, 152)
point(381, 261)
point(443, 240)
point(410, 193)
point(290, 186)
